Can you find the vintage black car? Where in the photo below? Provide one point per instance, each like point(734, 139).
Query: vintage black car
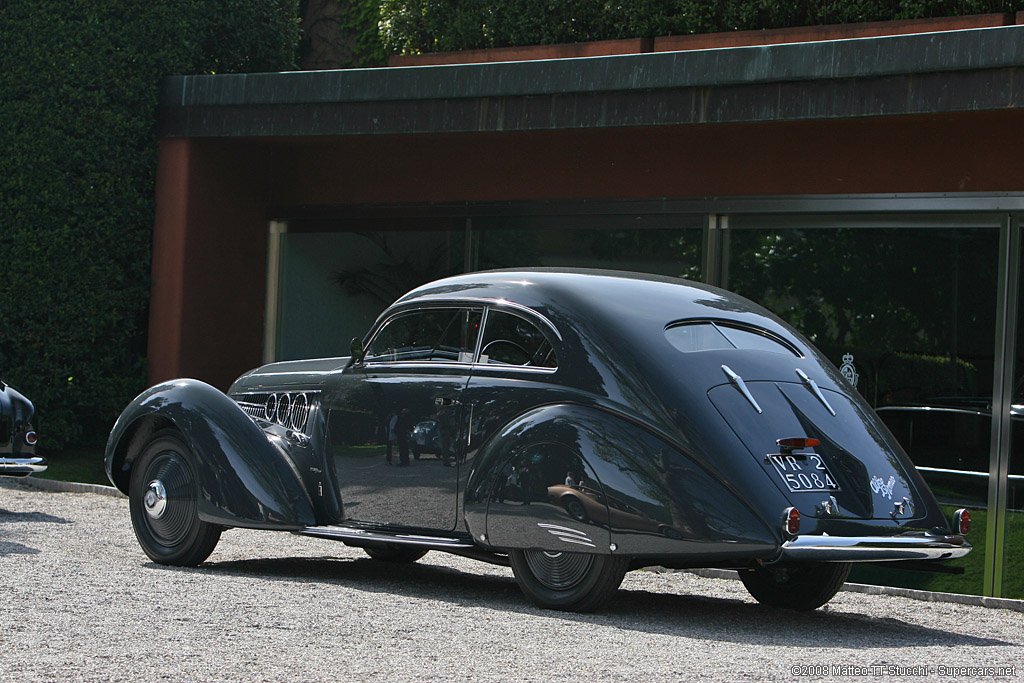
point(724, 438)
point(17, 437)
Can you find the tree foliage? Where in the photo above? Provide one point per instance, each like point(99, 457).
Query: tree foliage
point(912, 308)
point(415, 26)
point(79, 83)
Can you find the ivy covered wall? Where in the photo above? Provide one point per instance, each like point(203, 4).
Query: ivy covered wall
point(78, 92)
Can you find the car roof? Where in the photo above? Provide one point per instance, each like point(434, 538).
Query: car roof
point(576, 292)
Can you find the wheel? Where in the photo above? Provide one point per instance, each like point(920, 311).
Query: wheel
point(575, 508)
point(395, 552)
point(573, 582)
point(163, 499)
point(802, 587)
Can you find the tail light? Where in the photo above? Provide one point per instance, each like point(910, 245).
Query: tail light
point(790, 521)
point(792, 443)
point(31, 438)
point(962, 521)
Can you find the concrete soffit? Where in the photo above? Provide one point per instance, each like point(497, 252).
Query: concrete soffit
point(951, 71)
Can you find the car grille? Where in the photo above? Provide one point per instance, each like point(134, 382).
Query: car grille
point(289, 409)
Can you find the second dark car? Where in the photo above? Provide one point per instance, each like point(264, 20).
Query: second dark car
point(17, 436)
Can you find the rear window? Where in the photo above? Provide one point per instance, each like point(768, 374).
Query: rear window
point(709, 335)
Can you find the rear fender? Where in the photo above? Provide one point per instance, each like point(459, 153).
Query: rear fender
point(245, 477)
point(631, 490)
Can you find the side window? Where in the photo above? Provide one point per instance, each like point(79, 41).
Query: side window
point(512, 340)
point(444, 335)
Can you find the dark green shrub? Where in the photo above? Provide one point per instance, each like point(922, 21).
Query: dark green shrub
point(78, 91)
point(413, 26)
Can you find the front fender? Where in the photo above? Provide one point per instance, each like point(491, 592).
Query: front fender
point(631, 491)
point(245, 479)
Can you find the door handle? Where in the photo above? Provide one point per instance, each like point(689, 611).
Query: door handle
point(446, 401)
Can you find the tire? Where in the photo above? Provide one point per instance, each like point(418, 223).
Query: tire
point(800, 587)
point(163, 499)
point(575, 508)
point(395, 552)
point(572, 582)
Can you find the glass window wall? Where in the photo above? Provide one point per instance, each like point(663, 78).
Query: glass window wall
point(333, 285)
point(664, 251)
point(908, 316)
point(1011, 534)
point(906, 308)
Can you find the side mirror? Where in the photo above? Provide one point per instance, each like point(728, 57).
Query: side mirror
point(355, 349)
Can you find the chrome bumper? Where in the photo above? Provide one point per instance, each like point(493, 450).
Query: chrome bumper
point(21, 467)
point(873, 548)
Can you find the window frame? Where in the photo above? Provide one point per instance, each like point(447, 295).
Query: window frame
point(528, 315)
point(412, 310)
point(719, 323)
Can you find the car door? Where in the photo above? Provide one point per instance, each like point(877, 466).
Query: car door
point(396, 420)
point(514, 373)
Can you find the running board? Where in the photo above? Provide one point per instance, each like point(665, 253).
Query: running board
point(359, 537)
point(343, 533)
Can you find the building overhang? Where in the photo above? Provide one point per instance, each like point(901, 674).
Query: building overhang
point(930, 73)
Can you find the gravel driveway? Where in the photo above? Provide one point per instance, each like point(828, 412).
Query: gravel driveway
point(80, 601)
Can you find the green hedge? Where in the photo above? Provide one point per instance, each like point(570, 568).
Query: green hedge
point(415, 26)
point(78, 92)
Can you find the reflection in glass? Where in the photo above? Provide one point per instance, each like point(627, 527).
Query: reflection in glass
point(663, 251)
point(1013, 565)
point(512, 340)
point(436, 334)
point(333, 285)
point(911, 318)
point(708, 336)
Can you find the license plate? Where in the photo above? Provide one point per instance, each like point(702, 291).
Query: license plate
point(804, 472)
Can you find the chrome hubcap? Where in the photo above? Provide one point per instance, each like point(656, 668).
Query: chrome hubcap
point(155, 499)
point(559, 571)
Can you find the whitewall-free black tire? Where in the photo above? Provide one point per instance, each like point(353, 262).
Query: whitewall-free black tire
point(163, 499)
point(573, 582)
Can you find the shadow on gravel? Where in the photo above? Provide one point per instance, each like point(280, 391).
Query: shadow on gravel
point(717, 619)
point(8, 516)
point(8, 548)
point(746, 622)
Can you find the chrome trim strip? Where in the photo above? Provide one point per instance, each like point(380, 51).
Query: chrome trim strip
point(738, 382)
point(874, 548)
point(530, 313)
point(350, 534)
point(423, 365)
point(813, 386)
point(21, 467)
point(478, 345)
point(514, 368)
